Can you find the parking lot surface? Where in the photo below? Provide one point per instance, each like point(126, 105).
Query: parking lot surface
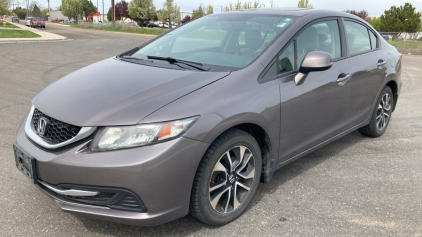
point(355, 186)
point(77, 33)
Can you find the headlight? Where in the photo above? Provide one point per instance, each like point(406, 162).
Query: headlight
point(112, 138)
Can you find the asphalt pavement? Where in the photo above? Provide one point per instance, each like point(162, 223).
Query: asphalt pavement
point(355, 186)
point(78, 33)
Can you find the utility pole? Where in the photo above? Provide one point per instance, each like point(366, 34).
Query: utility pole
point(103, 11)
point(112, 12)
point(27, 8)
point(49, 11)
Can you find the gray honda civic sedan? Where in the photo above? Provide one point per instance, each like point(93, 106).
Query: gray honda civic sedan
point(193, 121)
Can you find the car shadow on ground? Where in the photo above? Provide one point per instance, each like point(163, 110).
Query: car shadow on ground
point(188, 224)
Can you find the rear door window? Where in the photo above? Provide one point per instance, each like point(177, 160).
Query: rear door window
point(373, 40)
point(357, 37)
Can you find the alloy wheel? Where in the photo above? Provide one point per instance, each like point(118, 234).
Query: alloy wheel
point(232, 179)
point(384, 111)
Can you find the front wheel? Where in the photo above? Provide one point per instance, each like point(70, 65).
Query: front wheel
point(226, 179)
point(381, 115)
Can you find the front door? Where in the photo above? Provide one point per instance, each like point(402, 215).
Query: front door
point(316, 110)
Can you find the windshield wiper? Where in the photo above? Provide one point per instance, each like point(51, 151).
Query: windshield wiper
point(129, 57)
point(171, 60)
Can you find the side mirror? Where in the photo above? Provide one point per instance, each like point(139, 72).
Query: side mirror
point(314, 61)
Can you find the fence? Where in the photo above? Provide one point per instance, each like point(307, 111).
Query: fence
point(405, 42)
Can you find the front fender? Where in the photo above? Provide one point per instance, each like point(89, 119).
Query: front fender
point(226, 103)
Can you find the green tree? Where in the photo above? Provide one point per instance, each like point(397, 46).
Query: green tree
point(141, 10)
point(210, 10)
point(304, 4)
point(198, 13)
point(72, 8)
point(401, 19)
point(412, 19)
point(238, 5)
point(375, 22)
point(176, 13)
point(117, 18)
point(87, 7)
point(44, 12)
point(36, 12)
point(169, 13)
point(19, 12)
point(4, 7)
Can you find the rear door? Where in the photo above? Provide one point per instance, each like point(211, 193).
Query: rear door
point(316, 110)
point(368, 67)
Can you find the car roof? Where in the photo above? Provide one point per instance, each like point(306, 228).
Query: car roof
point(290, 11)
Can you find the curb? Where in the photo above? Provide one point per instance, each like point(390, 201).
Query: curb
point(117, 32)
point(57, 24)
point(33, 41)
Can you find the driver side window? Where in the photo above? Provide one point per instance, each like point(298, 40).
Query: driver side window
point(322, 36)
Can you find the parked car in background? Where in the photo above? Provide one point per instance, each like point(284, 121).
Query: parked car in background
point(15, 19)
point(37, 22)
point(152, 25)
point(28, 21)
point(146, 23)
point(400, 37)
point(149, 24)
point(184, 124)
point(386, 37)
point(166, 25)
point(163, 25)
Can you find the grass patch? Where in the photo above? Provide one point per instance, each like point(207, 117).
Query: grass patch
point(409, 44)
point(144, 31)
point(17, 34)
point(8, 25)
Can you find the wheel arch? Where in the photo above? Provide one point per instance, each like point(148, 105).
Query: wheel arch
point(393, 85)
point(264, 142)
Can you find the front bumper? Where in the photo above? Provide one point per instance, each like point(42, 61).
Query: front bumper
point(160, 175)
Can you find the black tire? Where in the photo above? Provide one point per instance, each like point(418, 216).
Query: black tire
point(373, 129)
point(200, 205)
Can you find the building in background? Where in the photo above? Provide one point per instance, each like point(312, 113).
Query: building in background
point(58, 16)
point(184, 14)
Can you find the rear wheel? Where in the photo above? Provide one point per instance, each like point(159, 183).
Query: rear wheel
point(226, 179)
point(381, 115)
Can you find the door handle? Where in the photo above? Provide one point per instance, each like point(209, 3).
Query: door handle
point(343, 78)
point(381, 62)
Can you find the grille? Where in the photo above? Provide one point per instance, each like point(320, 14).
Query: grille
point(57, 131)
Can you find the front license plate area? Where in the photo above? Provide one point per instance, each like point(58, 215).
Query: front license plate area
point(25, 164)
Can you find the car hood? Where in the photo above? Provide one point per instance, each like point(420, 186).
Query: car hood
point(114, 92)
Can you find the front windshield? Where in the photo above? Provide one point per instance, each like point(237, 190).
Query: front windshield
point(219, 41)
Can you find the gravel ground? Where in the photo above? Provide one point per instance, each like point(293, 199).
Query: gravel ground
point(354, 186)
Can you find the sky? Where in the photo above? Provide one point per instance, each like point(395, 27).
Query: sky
point(374, 7)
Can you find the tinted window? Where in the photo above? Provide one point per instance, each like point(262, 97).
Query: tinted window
point(322, 36)
point(373, 40)
point(357, 37)
point(286, 60)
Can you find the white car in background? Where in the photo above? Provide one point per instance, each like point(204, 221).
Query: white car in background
point(166, 25)
point(28, 21)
